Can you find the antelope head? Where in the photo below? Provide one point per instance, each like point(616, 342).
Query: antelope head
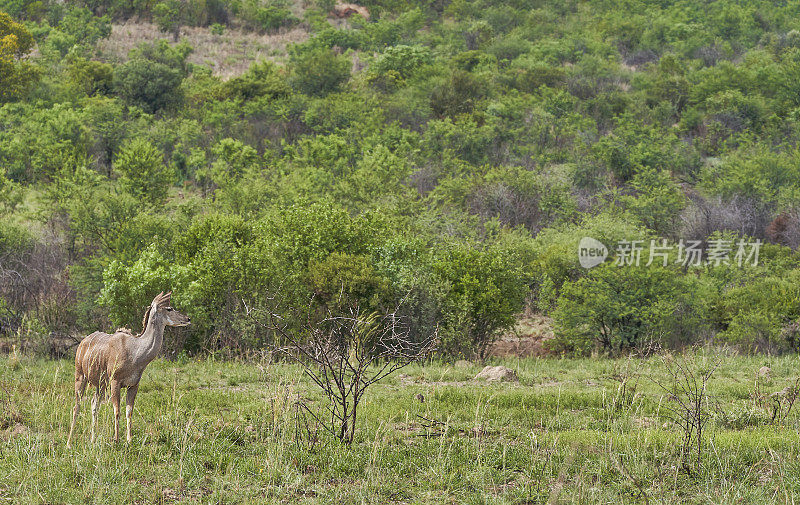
point(161, 308)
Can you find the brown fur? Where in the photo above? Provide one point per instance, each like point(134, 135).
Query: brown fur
point(111, 361)
point(145, 319)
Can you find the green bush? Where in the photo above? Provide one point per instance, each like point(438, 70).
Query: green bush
point(344, 39)
point(341, 280)
point(168, 15)
point(457, 95)
point(402, 59)
point(658, 201)
point(555, 253)
point(148, 84)
point(478, 292)
point(37, 143)
point(273, 17)
point(142, 171)
point(635, 145)
point(615, 309)
point(756, 315)
point(265, 16)
point(262, 79)
point(527, 74)
point(91, 77)
point(85, 28)
point(759, 173)
point(319, 71)
point(152, 77)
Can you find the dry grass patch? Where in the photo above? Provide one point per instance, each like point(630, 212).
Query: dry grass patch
point(526, 339)
point(227, 55)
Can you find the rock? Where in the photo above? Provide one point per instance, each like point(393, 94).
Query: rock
point(345, 10)
point(462, 363)
point(764, 372)
point(497, 374)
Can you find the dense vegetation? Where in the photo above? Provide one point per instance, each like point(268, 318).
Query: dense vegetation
point(449, 154)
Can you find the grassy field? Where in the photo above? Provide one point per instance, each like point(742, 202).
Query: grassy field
point(226, 432)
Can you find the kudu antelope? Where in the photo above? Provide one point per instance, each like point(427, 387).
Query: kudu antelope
point(114, 361)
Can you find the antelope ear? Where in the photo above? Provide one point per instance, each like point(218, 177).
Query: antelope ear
point(165, 299)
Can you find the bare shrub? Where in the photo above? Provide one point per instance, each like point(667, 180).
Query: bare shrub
point(627, 375)
point(343, 354)
point(704, 216)
point(710, 55)
point(640, 57)
point(776, 405)
point(783, 401)
point(510, 207)
point(688, 405)
point(33, 284)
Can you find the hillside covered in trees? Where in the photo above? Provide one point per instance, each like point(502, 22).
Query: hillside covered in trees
point(447, 154)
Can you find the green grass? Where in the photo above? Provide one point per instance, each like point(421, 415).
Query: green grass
point(225, 432)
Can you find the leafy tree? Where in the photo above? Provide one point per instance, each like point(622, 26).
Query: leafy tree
point(457, 95)
point(262, 79)
point(345, 39)
point(756, 315)
point(342, 279)
point(555, 261)
point(151, 79)
point(36, 143)
point(90, 77)
point(10, 195)
point(757, 172)
point(266, 16)
point(168, 15)
point(173, 56)
point(617, 308)
point(479, 293)
point(148, 84)
point(142, 171)
point(85, 28)
point(98, 219)
point(319, 71)
point(402, 59)
point(15, 75)
point(127, 287)
point(528, 74)
point(633, 145)
point(658, 201)
point(233, 160)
